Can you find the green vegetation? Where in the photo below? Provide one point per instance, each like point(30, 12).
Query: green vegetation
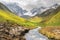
point(54, 21)
point(51, 21)
point(6, 15)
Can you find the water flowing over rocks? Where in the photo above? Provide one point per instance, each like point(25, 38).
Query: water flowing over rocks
point(35, 35)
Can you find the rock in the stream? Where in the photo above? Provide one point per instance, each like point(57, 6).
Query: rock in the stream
point(10, 31)
point(53, 33)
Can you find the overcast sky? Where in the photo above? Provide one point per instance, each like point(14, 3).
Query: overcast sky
point(29, 4)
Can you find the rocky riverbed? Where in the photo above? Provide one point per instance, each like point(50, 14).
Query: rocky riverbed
point(12, 31)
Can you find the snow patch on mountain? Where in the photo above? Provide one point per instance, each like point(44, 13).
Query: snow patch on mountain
point(29, 7)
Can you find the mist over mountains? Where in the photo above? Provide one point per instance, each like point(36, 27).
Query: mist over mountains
point(29, 8)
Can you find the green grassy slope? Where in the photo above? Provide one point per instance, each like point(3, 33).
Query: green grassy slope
point(9, 16)
point(6, 14)
point(54, 21)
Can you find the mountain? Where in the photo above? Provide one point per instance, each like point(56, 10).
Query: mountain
point(15, 8)
point(7, 15)
point(37, 11)
point(53, 19)
point(47, 18)
point(42, 17)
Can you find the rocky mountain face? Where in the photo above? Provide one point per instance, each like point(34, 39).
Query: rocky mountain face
point(30, 8)
point(50, 11)
point(15, 8)
point(39, 11)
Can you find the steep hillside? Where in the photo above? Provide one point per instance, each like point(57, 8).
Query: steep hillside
point(55, 20)
point(7, 15)
point(52, 18)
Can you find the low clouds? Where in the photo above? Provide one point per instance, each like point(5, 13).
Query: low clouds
point(30, 4)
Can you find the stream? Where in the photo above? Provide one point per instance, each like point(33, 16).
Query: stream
point(35, 35)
